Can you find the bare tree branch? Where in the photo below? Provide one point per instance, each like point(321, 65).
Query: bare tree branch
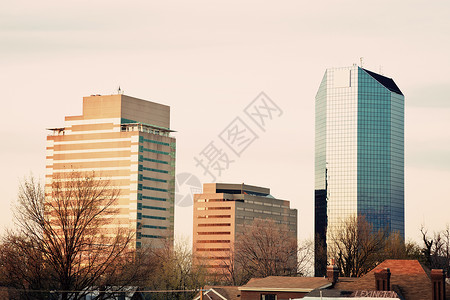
point(71, 233)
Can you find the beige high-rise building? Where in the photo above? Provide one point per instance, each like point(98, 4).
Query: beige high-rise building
point(127, 141)
point(221, 213)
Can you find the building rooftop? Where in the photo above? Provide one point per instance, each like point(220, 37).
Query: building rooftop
point(287, 284)
point(408, 278)
point(235, 188)
point(385, 81)
point(219, 293)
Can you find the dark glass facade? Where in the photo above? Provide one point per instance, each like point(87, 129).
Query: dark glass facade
point(359, 153)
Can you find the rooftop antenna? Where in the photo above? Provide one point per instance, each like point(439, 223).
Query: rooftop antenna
point(361, 61)
point(119, 91)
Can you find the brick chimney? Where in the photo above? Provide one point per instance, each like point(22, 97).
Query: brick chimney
point(332, 272)
point(383, 279)
point(438, 284)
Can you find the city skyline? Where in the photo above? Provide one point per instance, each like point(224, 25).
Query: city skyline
point(165, 53)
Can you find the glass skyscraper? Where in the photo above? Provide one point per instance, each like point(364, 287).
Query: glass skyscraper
point(359, 153)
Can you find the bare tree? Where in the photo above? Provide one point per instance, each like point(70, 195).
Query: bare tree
point(396, 248)
point(265, 248)
point(231, 272)
point(22, 268)
point(173, 270)
point(436, 249)
point(72, 233)
point(355, 247)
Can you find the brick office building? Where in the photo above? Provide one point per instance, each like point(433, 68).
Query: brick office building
point(221, 212)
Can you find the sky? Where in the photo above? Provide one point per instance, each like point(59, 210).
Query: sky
point(208, 60)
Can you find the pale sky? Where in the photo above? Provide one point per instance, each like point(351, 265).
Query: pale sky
point(208, 60)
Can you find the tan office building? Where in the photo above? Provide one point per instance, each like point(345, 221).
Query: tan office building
point(127, 141)
point(221, 212)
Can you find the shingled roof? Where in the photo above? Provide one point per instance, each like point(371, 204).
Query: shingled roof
point(283, 283)
point(408, 277)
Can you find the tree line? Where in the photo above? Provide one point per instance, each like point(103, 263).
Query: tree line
point(356, 248)
point(67, 242)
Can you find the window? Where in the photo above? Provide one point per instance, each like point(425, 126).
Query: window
point(214, 224)
point(212, 249)
point(214, 217)
point(213, 241)
point(213, 233)
point(268, 297)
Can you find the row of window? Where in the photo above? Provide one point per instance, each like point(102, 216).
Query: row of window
point(217, 267)
point(211, 200)
point(252, 218)
point(213, 241)
point(140, 187)
point(214, 224)
point(213, 257)
point(266, 212)
point(262, 203)
point(140, 216)
point(142, 158)
point(214, 217)
point(140, 235)
point(154, 227)
point(214, 208)
point(142, 168)
point(140, 207)
point(213, 233)
point(140, 197)
point(212, 249)
point(143, 149)
point(141, 140)
point(142, 177)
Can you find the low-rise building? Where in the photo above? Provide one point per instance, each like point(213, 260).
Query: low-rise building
point(394, 279)
point(282, 287)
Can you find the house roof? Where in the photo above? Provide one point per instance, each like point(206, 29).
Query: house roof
point(288, 284)
point(408, 277)
point(333, 294)
point(220, 293)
